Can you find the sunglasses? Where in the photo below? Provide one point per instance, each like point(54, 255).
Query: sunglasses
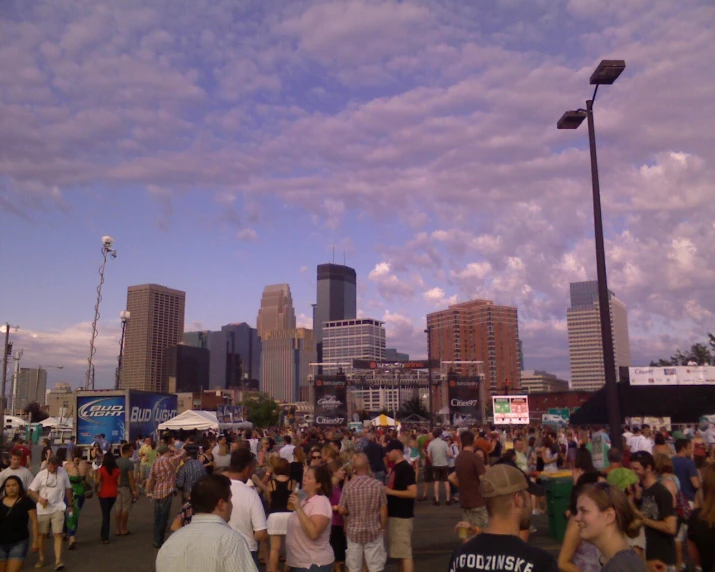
point(317, 457)
point(601, 486)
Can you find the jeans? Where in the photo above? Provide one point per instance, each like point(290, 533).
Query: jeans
point(162, 511)
point(314, 568)
point(106, 504)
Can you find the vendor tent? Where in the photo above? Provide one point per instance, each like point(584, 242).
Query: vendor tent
point(383, 421)
point(55, 422)
point(190, 420)
point(14, 422)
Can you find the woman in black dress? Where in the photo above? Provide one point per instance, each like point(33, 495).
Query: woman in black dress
point(16, 511)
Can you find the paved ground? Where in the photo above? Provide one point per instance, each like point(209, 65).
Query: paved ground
point(433, 540)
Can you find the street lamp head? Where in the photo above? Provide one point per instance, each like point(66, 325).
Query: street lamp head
point(107, 241)
point(571, 119)
point(124, 316)
point(607, 72)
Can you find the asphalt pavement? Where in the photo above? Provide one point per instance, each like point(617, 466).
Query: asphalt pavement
point(433, 540)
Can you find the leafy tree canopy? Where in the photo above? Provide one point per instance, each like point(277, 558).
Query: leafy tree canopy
point(701, 354)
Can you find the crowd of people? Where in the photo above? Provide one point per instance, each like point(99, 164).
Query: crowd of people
point(331, 499)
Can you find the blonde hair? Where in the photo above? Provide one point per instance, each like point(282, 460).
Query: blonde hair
point(707, 512)
point(663, 464)
point(608, 496)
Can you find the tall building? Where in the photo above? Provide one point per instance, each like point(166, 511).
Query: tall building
point(336, 298)
point(198, 339)
point(235, 356)
point(535, 381)
point(478, 330)
point(31, 387)
point(583, 320)
point(157, 323)
point(276, 312)
point(186, 369)
point(286, 356)
point(391, 354)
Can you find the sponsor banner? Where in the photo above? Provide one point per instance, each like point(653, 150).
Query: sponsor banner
point(672, 375)
point(412, 364)
point(101, 415)
point(463, 395)
point(331, 403)
point(653, 422)
point(229, 413)
point(511, 409)
point(148, 411)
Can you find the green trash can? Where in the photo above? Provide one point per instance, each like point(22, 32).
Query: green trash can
point(558, 497)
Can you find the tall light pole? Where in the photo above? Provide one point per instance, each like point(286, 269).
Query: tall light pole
point(6, 350)
point(107, 242)
point(124, 317)
point(606, 73)
point(15, 378)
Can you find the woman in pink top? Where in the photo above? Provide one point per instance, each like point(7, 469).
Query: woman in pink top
point(308, 531)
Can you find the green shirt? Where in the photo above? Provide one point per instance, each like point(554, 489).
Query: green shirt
point(126, 466)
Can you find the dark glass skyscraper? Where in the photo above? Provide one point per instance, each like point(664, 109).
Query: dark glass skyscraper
point(337, 298)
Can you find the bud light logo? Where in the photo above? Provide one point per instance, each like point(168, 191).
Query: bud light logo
point(158, 414)
point(149, 410)
point(94, 411)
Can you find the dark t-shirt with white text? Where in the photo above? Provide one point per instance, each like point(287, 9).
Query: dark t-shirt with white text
point(501, 553)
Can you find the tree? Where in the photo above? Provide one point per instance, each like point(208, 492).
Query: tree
point(699, 353)
point(34, 412)
point(413, 406)
point(263, 411)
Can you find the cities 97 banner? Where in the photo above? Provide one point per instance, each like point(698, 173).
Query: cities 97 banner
point(331, 407)
point(463, 394)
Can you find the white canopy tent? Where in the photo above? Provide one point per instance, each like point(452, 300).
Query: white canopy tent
point(14, 421)
point(190, 420)
point(55, 422)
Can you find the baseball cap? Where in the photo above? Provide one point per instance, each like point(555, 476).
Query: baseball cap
point(394, 445)
point(162, 448)
point(502, 480)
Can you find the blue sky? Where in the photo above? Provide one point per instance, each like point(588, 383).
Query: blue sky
point(226, 146)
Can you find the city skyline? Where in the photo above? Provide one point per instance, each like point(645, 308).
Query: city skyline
point(413, 142)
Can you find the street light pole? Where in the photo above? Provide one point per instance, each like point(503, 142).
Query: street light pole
point(606, 73)
point(124, 316)
point(107, 242)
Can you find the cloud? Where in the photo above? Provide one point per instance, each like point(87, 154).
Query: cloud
point(389, 285)
point(437, 297)
point(247, 235)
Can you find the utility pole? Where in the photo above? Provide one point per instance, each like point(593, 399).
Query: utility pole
point(429, 373)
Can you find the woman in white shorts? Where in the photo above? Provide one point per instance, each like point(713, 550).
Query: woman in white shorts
point(278, 489)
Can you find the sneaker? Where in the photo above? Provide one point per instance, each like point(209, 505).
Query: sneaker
point(532, 529)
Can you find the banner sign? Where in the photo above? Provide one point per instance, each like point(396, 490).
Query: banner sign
point(413, 364)
point(463, 394)
point(229, 413)
point(331, 403)
point(101, 415)
point(672, 375)
point(147, 411)
point(511, 409)
point(653, 422)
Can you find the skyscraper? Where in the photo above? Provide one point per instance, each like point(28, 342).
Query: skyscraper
point(276, 312)
point(583, 320)
point(337, 297)
point(186, 369)
point(479, 330)
point(157, 323)
point(31, 387)
point(285, 359)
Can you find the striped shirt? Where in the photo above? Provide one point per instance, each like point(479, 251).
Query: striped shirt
point(162, 478)
point(207, 544)
point(363, 497)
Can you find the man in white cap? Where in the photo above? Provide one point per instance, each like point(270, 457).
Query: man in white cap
point(505, 490)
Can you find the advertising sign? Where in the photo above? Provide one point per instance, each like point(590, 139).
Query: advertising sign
point(147, 411)
point(331, 403)
point(511, 409)
point(463, 394)
point(229, 413)
point(673, 375)
point(412, 364)
point(100, 415)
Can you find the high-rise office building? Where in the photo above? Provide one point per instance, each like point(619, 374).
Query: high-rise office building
point(186, 369)
point(583, 321)
point(336, 298)
point(198, 339)
point(31, 387)
point(478, 330)
point(276, 312)
point(157, 323)
point(286, 356)
point(535, 381)
point(391, 354)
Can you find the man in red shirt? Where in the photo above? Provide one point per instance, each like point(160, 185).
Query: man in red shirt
point(24, 451)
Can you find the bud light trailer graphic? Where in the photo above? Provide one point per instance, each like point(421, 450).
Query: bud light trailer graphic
point(331, 404)
point(147, 411)
point(463, 394)
point(101, 415)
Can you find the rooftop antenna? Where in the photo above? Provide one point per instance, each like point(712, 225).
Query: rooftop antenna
point(333, 253)
point(345, 258)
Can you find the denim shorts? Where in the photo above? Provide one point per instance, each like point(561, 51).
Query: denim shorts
point(16, 551)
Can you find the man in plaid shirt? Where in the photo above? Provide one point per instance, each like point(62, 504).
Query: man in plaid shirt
point(364, 504)
point(189, 474)
point(162, 485)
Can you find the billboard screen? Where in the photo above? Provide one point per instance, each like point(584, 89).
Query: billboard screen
point(511, 409)
point(463, 394)
point(229, 413)
point(673, 375)
point(100, 415)
point(148, 410)
point(331, 403)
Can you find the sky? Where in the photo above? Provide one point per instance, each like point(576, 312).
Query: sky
point(230, 145)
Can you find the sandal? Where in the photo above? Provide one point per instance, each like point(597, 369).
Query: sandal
point(59, 566)
point(40, 564)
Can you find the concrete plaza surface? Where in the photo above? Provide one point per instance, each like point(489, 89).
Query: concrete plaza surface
point(433, 540)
